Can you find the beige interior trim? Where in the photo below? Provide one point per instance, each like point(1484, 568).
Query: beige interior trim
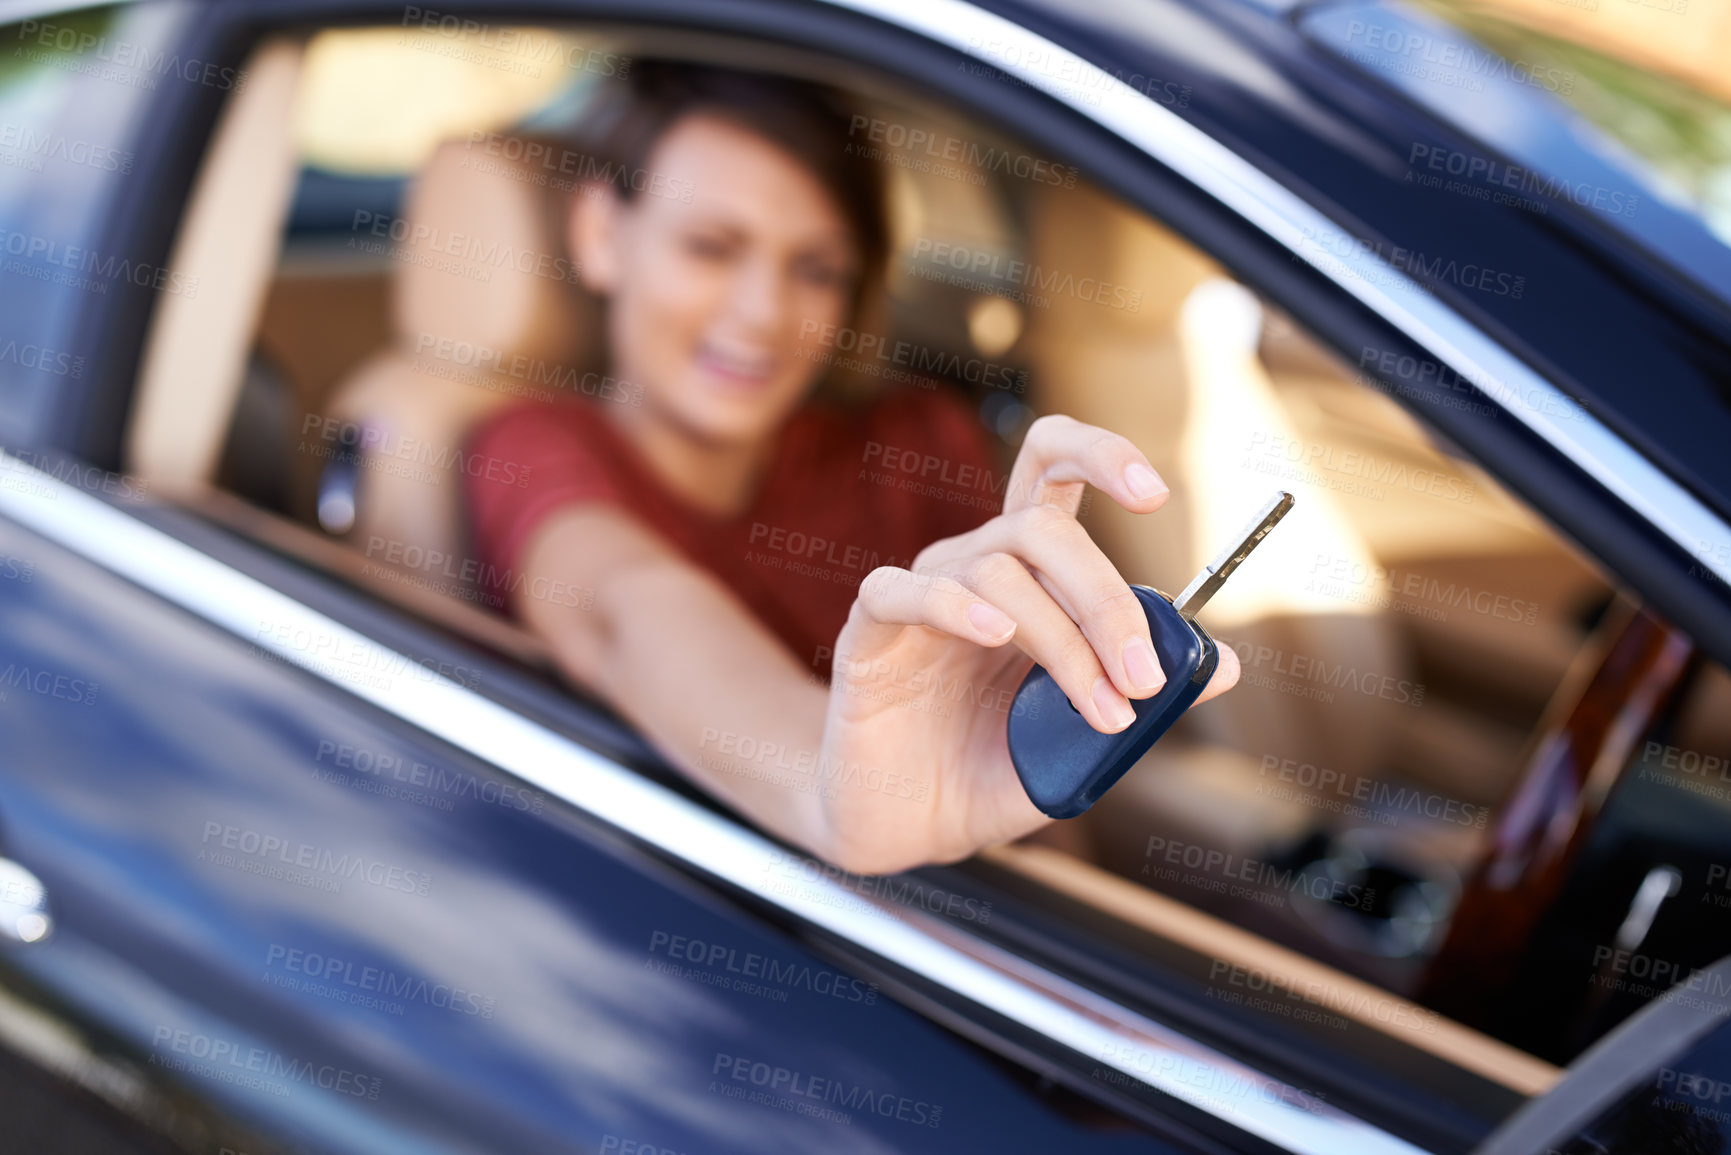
point(1321, 986)
point(196, 351)
point(336, 557)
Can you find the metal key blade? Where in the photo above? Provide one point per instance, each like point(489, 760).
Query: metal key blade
point(1207, 583)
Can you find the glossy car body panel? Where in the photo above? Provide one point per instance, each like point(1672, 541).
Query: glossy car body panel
point(262, 885)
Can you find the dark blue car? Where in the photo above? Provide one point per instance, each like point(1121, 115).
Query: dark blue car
point(305, 846)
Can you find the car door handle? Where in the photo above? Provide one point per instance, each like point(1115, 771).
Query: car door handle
point(24, 913)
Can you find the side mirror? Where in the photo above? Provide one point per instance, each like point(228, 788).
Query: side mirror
point(1660, 1082)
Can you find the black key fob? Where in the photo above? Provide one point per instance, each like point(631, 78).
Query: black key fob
point(1065, 764)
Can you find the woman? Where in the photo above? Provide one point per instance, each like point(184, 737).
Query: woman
point(730, 535)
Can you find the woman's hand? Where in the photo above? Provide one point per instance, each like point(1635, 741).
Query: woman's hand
point(915, 737)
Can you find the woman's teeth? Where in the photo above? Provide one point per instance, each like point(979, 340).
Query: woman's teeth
point(751, 366)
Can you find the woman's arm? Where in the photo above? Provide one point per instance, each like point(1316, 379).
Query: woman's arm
point(904, 758)
point(675, 652)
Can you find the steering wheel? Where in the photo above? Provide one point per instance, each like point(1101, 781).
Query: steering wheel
point(1624, 681)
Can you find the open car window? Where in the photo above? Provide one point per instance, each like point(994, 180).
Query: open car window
point(1333, 835)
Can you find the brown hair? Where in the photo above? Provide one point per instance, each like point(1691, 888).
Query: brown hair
point(810, 122)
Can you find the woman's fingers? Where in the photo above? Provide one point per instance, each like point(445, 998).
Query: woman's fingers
point(1087, 587)
point(1070, 608)
point(891, 598)
point(1060, 454)
point(1226, 673)
point(1046, 633)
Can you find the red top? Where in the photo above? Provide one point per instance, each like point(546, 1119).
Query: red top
point(847, 491)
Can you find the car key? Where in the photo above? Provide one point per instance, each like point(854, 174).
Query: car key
point(1064, 763)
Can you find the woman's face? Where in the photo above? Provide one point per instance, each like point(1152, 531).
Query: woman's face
point(718, 306)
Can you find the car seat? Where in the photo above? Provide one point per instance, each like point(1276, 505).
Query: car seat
point(485, 313)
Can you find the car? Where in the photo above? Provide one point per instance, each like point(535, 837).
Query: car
point(306, 847)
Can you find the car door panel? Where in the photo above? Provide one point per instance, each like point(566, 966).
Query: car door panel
point(342, 934)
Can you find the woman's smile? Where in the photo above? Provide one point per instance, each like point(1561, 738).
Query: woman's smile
point(735, 368)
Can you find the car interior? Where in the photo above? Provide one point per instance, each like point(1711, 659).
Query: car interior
point(1407, 636)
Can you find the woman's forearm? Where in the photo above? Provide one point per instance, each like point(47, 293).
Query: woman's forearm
point(684, 661)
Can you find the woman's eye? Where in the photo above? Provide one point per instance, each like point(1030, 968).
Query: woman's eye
point(707, 246)
point(824, 274)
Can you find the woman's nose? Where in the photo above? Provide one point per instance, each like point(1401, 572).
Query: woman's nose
point(761, 295)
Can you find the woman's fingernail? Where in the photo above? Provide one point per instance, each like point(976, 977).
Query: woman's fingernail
point(1141, 666)
point(1114, 710)
point(1143, 482)
point(990, 620)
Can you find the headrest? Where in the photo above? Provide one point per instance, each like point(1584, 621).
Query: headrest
point(484, 261)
